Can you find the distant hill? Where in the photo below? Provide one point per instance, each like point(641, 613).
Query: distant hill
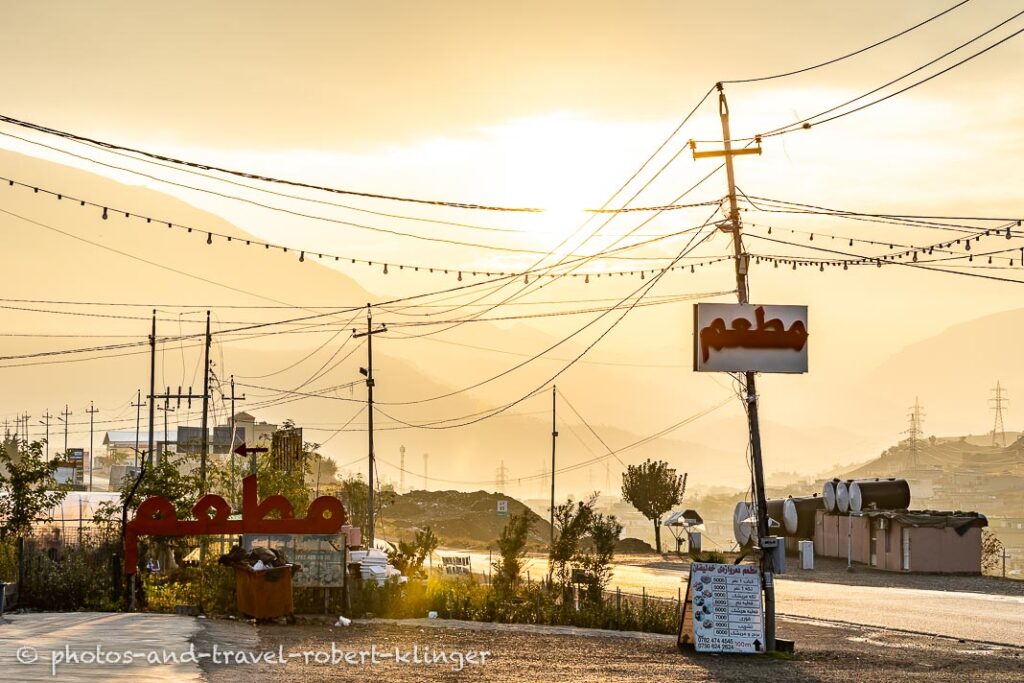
point(468, 520)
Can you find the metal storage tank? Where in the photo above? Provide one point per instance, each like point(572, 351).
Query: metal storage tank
point(842, 497)
point(798, 515)
point(775, 513)
point(880, 494)
point(828, 494)
point(742, 531)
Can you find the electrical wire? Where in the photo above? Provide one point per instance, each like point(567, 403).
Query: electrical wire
point(848, 55)
point(251, 176)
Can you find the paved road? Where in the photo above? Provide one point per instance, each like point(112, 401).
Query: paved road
point(971, 616)
point(45, 636)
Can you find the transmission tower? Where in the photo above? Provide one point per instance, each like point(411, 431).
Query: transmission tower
point(501, 480)
point(915, 432)
point(998, 401)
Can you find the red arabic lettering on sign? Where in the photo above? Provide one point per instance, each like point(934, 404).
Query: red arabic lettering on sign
point(766, 334)
point(156, 516)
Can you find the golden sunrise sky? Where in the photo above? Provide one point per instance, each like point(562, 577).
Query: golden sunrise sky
point(554, 105)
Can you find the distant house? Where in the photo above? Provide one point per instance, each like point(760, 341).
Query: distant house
point(253, 432)
point(121, 445)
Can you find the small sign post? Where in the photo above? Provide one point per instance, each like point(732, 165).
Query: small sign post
point(502, 508)
point(722, 612)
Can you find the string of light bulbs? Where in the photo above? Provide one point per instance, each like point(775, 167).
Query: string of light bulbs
point(387, 266)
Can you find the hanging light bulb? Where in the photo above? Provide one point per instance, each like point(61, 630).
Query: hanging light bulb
point(769, 229)
point(302, 255)
point(642, 276)
point(915, 257)
point(586, 280)
point(209, 238)
point(460, 276)
point(846, 266)
point(821, 268)
point(967, 245)
point(970, 259)
point(104, 213)
point(794, 265)
point(691, 267)
point(385, 269)
point(812, 236)
point(990, 259)
point(776, 264)
point(526, 279)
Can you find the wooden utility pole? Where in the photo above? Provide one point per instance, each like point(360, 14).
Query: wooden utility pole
point(368, 372)
point(67, 413)
point(742, 291)
point(138, 420)
point(554, 437)
point(165, 408)
point(92, 458)
point(152, 381)
point(46, 418)
point(232, 423)
point(205, 436)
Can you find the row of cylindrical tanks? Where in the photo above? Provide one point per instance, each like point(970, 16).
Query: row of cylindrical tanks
point(794, 516)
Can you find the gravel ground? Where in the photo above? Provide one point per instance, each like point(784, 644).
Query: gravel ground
point(825, 652)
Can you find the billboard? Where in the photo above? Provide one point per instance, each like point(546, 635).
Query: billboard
point(749, 338)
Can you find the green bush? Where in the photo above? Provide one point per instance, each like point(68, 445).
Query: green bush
point(712, 556)
point(212, 587)
point(78, 578)
point(466, 598)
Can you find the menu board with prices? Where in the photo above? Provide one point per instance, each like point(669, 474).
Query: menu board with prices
point(726, 607)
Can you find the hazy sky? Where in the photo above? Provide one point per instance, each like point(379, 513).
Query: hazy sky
point(554, 104)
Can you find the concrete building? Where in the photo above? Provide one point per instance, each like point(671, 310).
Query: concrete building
point(254, 433)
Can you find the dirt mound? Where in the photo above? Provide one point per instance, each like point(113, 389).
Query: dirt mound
point(633, 546)
point(458, 518)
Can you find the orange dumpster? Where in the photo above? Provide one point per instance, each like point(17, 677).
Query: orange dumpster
point(265, 594)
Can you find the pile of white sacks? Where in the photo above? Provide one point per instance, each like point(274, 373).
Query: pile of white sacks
point(373, 566)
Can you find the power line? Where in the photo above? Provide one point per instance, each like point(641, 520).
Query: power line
point(849, 54)
point(252, 176)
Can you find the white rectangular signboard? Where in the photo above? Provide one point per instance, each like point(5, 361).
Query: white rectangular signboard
point(749, 338)
point(726, 607)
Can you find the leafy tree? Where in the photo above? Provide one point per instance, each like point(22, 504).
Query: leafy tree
point(408, 557)
point(653, 488)
point(27, 488)
point(176, 478)
point(572, 522)
point(597, 566)
point(512, 548)
point(354, 493)
point(427, 541)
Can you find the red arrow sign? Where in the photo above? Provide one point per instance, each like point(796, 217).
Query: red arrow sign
point(244, 451)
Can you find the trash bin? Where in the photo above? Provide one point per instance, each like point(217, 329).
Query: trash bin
point(264, 594)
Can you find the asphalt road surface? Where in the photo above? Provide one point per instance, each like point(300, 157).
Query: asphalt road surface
point(970, 616)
